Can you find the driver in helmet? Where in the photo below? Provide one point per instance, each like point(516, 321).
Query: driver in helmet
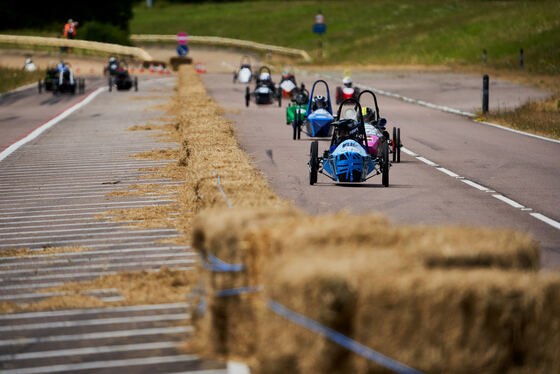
point(347, 82)
point(319, 102)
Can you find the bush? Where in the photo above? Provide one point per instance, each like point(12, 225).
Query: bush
point(103, 32)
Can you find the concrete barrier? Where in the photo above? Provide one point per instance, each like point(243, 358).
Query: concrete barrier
point(226, 42)
point(138, 53)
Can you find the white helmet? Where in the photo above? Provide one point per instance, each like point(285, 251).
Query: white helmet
point(264, 76)
point(347, 81)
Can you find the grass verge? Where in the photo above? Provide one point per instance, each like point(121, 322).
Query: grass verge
point(11, 79)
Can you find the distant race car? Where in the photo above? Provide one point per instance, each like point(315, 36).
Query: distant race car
point(297, 110)
point(375, 129)
point(61, 79)
point(319, 114)
point(244, 74)
point(346, 91)
point(112, 67)
point(265, 91)
point(288, 83)
point(348, 159)
point(122, 80)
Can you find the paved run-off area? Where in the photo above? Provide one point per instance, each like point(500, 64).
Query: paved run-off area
point(51, 192)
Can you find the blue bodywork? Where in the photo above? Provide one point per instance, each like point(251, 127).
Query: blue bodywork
point(349, 162)
point(318, 122)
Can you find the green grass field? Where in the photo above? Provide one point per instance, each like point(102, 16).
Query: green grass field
point(430, 32)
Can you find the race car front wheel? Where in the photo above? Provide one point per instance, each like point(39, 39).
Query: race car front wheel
point(135, 83)
point(313, 162)
point(385, 164)
point(399, 145)
point(110, 84)
point(247, 96)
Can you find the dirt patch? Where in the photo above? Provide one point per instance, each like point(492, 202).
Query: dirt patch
point(137, 288)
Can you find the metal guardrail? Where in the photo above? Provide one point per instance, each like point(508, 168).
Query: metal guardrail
point(227, 42)
point(139, 53)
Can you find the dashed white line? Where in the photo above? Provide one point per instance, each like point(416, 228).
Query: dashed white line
point(476, 185)
point(82, 241)
point(510, 202)
point(103, 364)
point(546, 219)
point(408, 152)
point(448, 172)
point(93, 259)
point(88, 351)
point(66, 206)
point(426, 161)
point(96, 322)
point(89, 253)
point(98, 335)
point(96, 266)
point(79, 312)
point(79, 275)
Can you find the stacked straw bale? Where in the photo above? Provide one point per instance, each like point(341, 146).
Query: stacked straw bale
point(439, 299)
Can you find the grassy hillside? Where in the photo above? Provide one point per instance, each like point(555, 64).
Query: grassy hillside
point(380, 32)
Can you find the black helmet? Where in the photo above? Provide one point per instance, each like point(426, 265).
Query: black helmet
point(320, 102)
point(368, 114)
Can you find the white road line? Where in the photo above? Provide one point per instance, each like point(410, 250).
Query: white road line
point(120, 224)
point(89, 252)
point(97, 335)
point(94, 274)
point(408, 152)
point(88, 351)
point(476, 185)
point(448, 172)
point(510, 202)
point(426, 161)
point(59, 243)
point(103, 364)
point(95, 184)
point(26, 170)
point(35, 295)
point(547, 220)
point(82, 164)
point(79, 312)
point(21, 233)
point(93, 259)
point(27, 200)
point(93, 266)
point(66, 206)
point(45, 126)
point(32, 286)
point(96, 212)
point(95, 322)
point(517, 131)
point(21, 236)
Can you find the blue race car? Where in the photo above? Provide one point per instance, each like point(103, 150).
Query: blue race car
point(319, 113)
point(348, 159)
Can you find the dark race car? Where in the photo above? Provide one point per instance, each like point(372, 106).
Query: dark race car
point(122, 80)
point(265, 91)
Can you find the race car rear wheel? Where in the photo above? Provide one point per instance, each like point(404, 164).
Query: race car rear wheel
point(110, 82)
point(135, 83)
point(338, 95)
point(385, 164)
point(399, 145)
point(313, 162)
point(295, 127)
point(394, 144)
point(247, 96)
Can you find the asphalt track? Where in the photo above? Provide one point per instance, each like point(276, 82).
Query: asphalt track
point(51, 190)
point(481, 172)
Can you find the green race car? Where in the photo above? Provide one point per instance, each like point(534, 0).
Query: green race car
point(297, 111)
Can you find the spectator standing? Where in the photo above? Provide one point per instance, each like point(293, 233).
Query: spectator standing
point(70, 31)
